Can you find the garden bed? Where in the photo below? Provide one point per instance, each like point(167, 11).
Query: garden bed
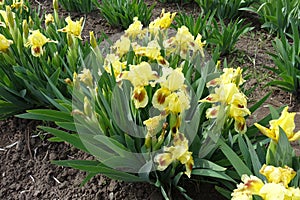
point(26, 169)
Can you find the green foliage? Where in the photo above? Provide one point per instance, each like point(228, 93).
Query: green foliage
point(175, 1)
point(195, 25)
point(225, 9)
point(82, 6)
point(278, 15)
point(225, 38)
point(121, 12)
point(287, 61)
point(28, 81)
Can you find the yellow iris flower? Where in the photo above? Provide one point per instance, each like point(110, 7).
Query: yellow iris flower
point(179, 151)
point(286, 122)
point(276, 188)
point(4, 43)
point(73, 28)
point(112, 60)
point(152, 51)
point(2, 2)
point(134, 29)
point(278, 174)
point(140, 75)
point(229, 75)
point(172, 95)
point(122, 46)
point(49, 19)
point(162, 22)
point(36, 41)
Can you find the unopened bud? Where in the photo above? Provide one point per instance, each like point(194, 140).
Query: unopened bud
point(10, 17)
point(93, 40)
point(68, 81)
point(25, 29)
point(55, 5)
point(87, 108)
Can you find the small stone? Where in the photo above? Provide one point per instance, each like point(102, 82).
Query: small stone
point(52, 156)
point(111, 196)
point(36, 193)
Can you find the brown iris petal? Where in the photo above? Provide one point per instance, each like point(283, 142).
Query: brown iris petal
point(240, 106)
point(139, 96)
point(161, 98)
point(37, 50)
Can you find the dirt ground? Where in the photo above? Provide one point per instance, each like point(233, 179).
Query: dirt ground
point(25, 153)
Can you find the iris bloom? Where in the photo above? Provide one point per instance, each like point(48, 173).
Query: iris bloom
point(152, 51)
point(4, 43)
point(134, 29)
point(113, 61)
point(2, 2)
point(223, 94)
point(172, 95)
point(122, 46)
point(49, 19)
point(286, 122)
point(250, 185)
point(139, 75)
point(36, 41)
point(179, 151)
point(180, 43)
point(163, 22)
point(198, 44)
point(229, 75)
point(278, 174)
point(276, 188)
point(73, 28)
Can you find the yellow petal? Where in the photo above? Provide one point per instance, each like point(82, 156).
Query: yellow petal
point(295, 137)
point(267, 132)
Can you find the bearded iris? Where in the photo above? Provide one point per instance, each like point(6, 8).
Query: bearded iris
point(286, 122)
point(178, 151)
point(36, 41)
point(73, 28)
point(276, 188)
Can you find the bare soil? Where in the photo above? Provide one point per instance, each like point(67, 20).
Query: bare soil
point(26, 171)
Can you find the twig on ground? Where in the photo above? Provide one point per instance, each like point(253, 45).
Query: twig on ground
point(56, 180)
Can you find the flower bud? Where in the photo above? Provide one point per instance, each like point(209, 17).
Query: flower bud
point(87, 108)
point(10, 17)
point(25, 29)
point(55, 5)
point(93, 40)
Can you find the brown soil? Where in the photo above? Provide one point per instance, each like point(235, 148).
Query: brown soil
point(27, 173)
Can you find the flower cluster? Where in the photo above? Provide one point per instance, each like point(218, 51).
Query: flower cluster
point(226, 92)
point(286, 122)
point(151, 73)
point(276, 186)
point(36, 40)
